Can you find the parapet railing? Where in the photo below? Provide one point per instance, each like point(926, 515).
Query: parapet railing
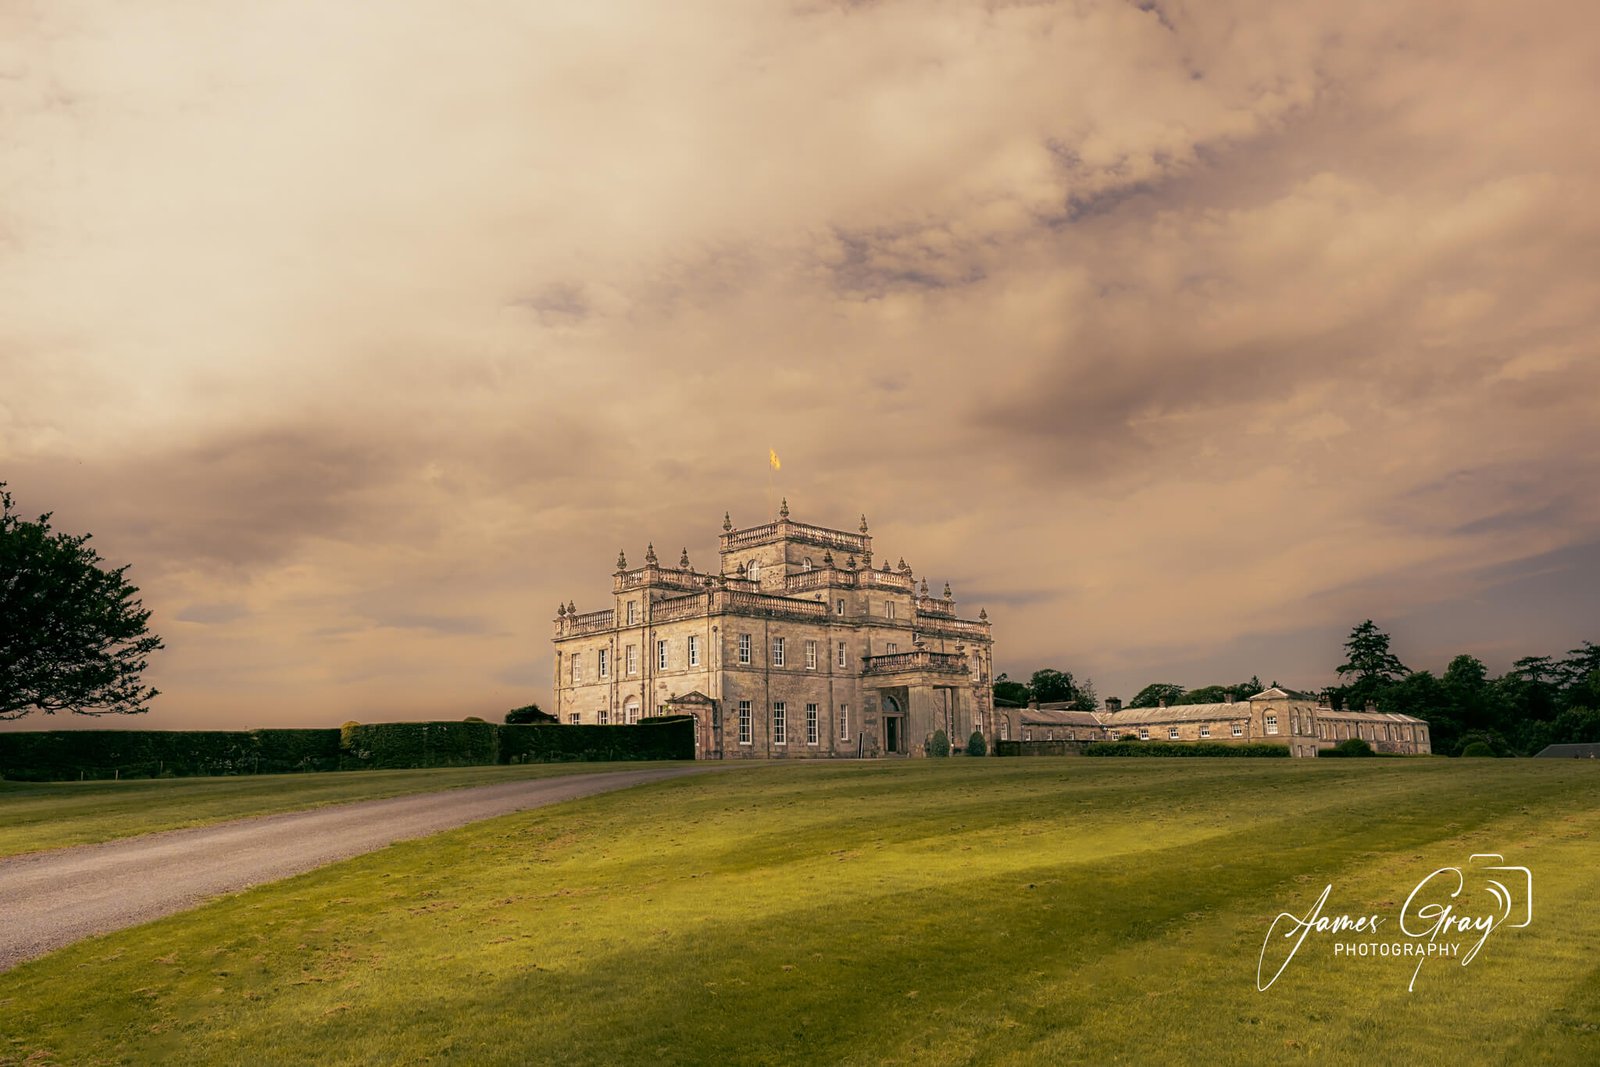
point(920, 660)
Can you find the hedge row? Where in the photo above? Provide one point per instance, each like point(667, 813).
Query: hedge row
point(669, 737)
point(386, 745)
point(1191, 748)
point(70, 755)
point(63, 755)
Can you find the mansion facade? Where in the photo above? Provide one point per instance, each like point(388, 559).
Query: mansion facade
point(1272, 716)
point(796, 645)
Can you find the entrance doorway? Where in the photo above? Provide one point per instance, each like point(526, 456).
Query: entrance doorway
point(893, 725)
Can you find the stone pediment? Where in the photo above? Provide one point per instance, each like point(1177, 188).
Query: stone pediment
point(696, 697)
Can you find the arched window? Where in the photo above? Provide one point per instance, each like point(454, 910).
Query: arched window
point(806, 564)
point(752, 571)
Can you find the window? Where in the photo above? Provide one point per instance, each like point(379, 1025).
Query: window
point(843, 661)
point(811, 724)
point(573, 718)
point(805, 565)
point(631, 659)
point(661, 655)
point(1005, 729)
point(753, 570)
point(888, 609)
point(844, 722)
point(1272, 724)
point(838, 606)
point(577, 668)
point(694, 651)
point(780, 725)
point(1144, 733)
point(744, 722)
point(603, 657)
point(1172, 733)
point(633, 713)
point(744, 648)
point(603, 717)
point(777, 651)
point(1205, 731)
point(1027, 734)
point(811, 655)
point(633, 613)
point(892, 648)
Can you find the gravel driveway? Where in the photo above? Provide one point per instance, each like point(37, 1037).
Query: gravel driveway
point(51, 899)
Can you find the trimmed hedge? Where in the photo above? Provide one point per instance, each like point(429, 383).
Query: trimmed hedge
point(68, 755)
point(1191, 748)
point(389, 745)
point(668, 737)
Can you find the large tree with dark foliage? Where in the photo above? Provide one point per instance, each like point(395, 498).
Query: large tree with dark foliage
point(528, 715)
point(73, 634)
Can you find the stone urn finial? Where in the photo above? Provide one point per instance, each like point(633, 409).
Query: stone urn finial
point(727, 522)
point(650, 554)
point(827, 557)
point(947, 594)
point(863, 523)
point(561, 611)
point(622, 560)
point(783, 512)
point(683, 560)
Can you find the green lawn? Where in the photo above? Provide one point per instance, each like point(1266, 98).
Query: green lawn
point(56, 814)
point(995, 911)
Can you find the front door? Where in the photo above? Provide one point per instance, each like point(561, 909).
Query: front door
point(891, 733)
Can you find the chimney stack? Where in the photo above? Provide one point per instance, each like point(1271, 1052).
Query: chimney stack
point(1227, 698)
point(1161, 702)
point(1113, 704)
point(1371, 706)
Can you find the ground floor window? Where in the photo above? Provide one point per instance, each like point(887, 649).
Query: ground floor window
point(603, 717)
point(812, 734)
point(1272, 724)
point(1172, 733)
point(744, 722)
point(1144, 733)
point(573, 718)
point(633, 714)
point(844, 722)
point(1205, 731)
point(780, 724)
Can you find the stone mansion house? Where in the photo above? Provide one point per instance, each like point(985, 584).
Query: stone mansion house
point(796, 645)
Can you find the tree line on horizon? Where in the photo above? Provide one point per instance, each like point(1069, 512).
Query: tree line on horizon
point(1540, 701)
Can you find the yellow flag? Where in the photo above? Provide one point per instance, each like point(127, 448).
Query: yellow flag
point(772, 455)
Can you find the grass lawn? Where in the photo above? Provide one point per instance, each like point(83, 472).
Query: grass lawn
point(56, 814)
point(923, 912)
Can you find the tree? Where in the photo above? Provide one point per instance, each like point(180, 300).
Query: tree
point(1052, 686)
point(73, 634)
point(1373, 666)
point(1015, 693)
point(532, 713)
point(1154, 693)
point(1368, 657)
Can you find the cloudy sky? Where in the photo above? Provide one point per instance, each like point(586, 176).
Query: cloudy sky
point(1181, 336)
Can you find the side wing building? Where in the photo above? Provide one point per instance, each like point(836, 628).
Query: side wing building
point(796, 646)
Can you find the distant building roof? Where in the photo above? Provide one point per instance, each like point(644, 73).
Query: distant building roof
point(1178, 713)
point(1591, 751)
point(1043, 716)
